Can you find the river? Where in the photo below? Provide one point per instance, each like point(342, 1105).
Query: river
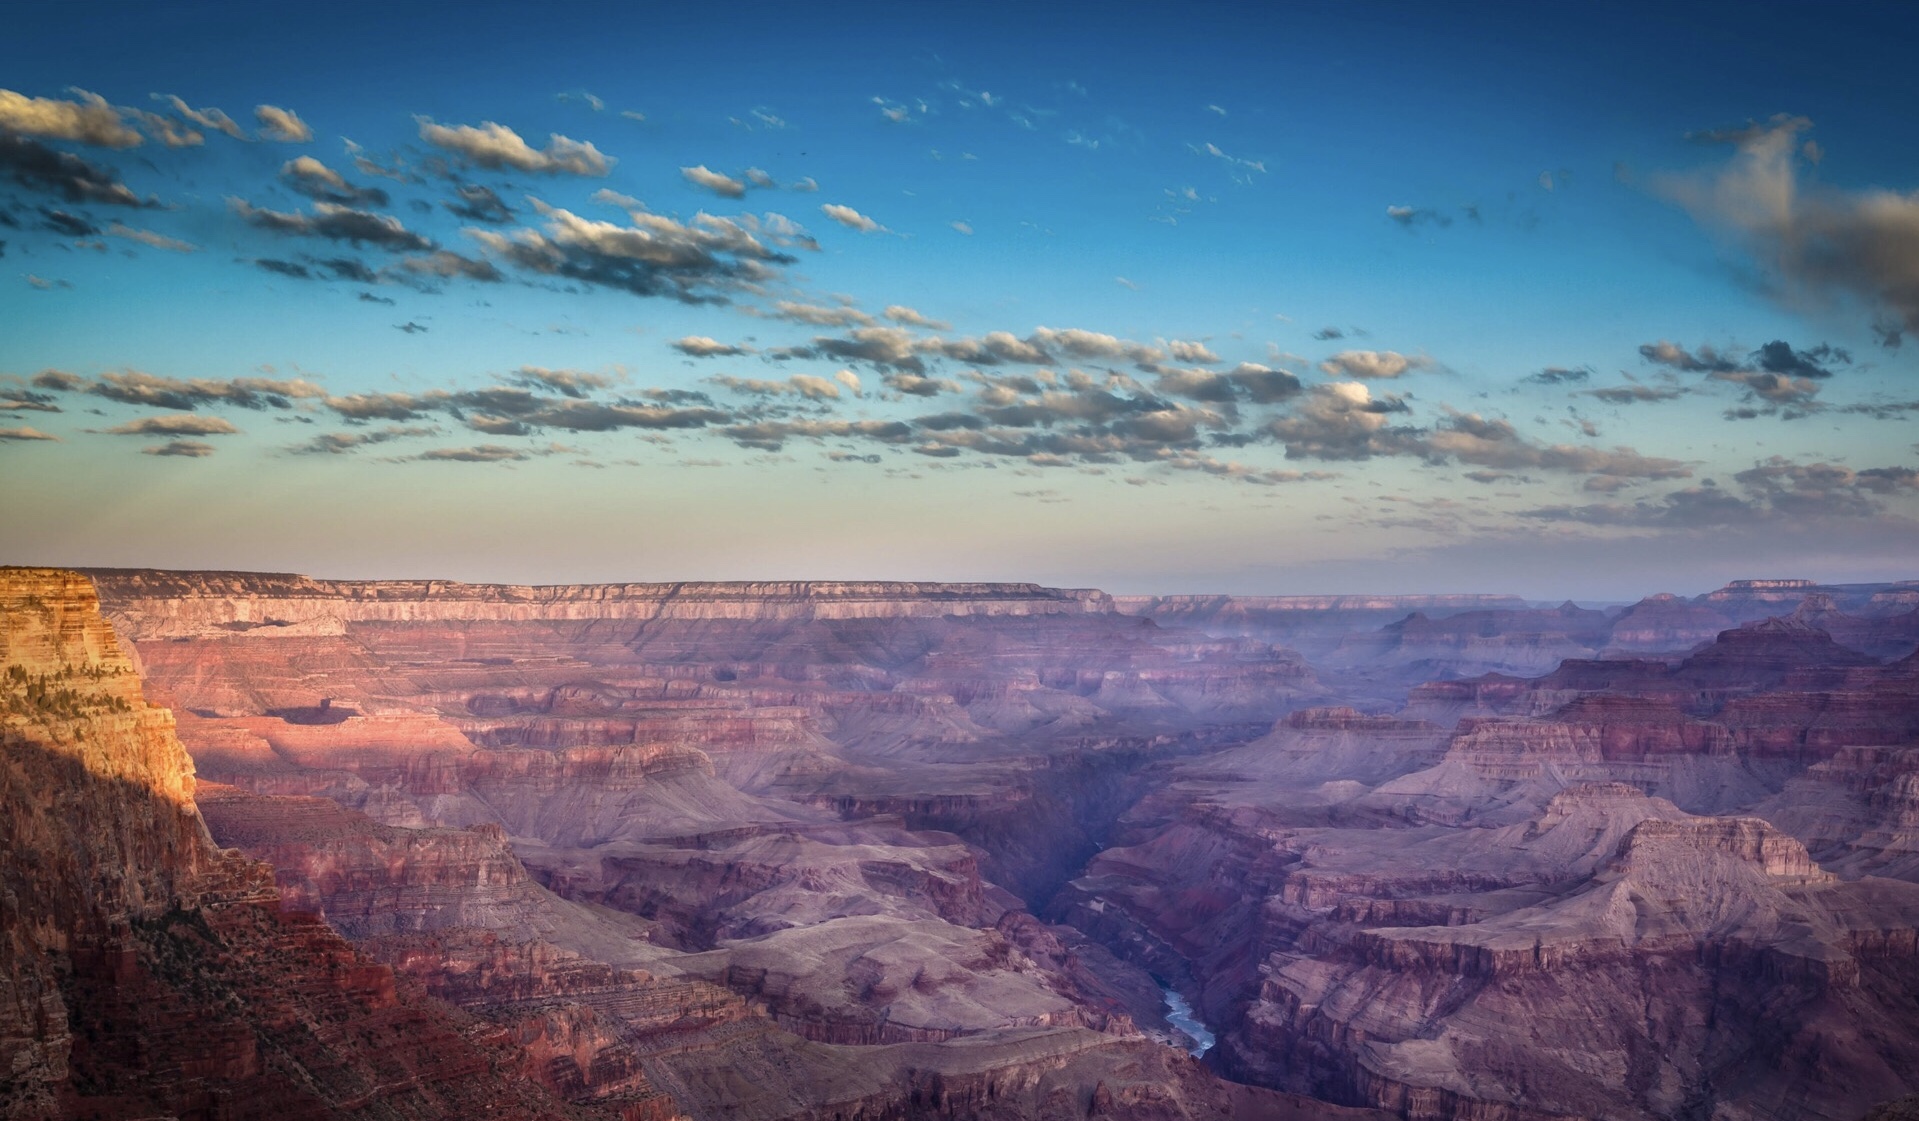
point(1180, 1015)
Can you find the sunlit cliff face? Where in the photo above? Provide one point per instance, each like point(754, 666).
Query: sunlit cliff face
point(1006, 297)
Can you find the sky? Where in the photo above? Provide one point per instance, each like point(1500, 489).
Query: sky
point(1558, 300)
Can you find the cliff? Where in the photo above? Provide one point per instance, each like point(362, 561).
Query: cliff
point(168, 604)
point(145, 972)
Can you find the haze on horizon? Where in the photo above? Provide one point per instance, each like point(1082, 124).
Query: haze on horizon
point(1319, 298)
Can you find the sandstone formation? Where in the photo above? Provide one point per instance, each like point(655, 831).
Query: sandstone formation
point(145, 972)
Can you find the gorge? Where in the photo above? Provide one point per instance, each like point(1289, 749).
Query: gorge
point(875, 850)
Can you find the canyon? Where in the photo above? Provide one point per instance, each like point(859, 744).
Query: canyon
point(877, 850)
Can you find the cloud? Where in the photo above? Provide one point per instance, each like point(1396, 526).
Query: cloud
point(699, 346)
point(185, 424)
point(1372, 364)
point(496, 146)
point(1210, 149)
point(1774, 491)
point(331, 220)
point(808, 386)
point(59, 380)
point(1813, 241)
point(850, 380)
point(281, 124)
point(851, 219)
point(1471, 438)
point(1410, 216)
point(572, 383)
point(476, 203)
point(587, 416)
point(1093, 344)
point(154, 391)
point(1249, 382)
point(44, 284)
point(35, 166)
point(913, 385)
point(1785, 379)
point(962, 227)
point(344, 443)
point(25, 432)
point(1241, 472)
point(205, 118)
point(67, 225)
point(446, 264)
point(582, 96)
point(1185, 351)
point(88, 120)
point(906, 316)
point(770, 435)
point(990, 349)
point(384, 406)
point(885, 347)
point(1778, 357)
point(694, 262)
point(724, 186)
point(23, 400)
point(482, 453)
point(1706, 360)
point(1344, 421)
point(1636, 393)
point(1558, 375)
point(190, 449)
point(316, 180)
point(148, 237)
point(819, 315)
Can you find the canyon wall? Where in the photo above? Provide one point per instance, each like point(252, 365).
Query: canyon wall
point(144, 971)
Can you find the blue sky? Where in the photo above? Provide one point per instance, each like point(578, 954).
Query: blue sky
point(1579, 300)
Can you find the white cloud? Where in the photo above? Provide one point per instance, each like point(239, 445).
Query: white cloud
point(281, 124)
point(148, 237)
point(723, 185)
point(851, 219)
point(700, 346)
point(1185, 351)
point(494, 145)
point(1372, 364)
point(89, 120)
point(209, 117)
point(899, 313)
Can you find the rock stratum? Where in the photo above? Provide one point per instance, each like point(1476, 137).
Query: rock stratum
point(896, 850)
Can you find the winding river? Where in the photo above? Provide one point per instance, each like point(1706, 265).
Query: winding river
point(1180, 1015)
